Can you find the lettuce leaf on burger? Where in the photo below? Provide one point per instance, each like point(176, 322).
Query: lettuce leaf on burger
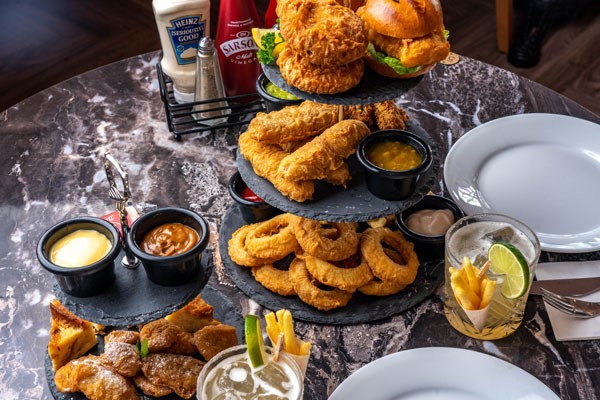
point(407, 38)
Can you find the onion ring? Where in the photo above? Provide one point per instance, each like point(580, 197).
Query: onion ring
point(310, 293)
point(310, 235)
point(382, 266)
point(377, 287)
point(239, 254)
point(276, 280)
point(273, 238)
point(345, 278)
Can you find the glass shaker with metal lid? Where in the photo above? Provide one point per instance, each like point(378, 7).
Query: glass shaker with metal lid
point(210, 91)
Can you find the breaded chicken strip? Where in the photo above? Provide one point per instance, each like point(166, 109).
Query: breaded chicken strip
point(300, 73)
point(389, 116)
point(322, 31)
point(293, 123)
point(324, 153)
point(265, 160)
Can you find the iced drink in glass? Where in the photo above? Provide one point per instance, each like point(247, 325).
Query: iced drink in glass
point(471, 237)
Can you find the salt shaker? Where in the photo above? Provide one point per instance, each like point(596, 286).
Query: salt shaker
point(209, 86)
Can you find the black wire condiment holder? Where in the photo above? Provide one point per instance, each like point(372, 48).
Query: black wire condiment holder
point(180, 117)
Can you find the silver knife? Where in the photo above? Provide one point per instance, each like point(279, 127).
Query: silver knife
point(567, 287)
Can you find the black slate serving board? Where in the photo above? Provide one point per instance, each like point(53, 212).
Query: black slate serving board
point(224, 310)
point(353, 203)
point(361, 308)
point(133, 299)
point(371, 89)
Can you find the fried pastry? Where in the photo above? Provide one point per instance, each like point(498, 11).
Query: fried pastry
point(150, 388)
point(123, 357)
point(293, 123)
point(175, 371)
point(165, 336)
point(70, 336)
point(324, 153)
point(193, 316)
point(300, 73)
point(95, 379)
point(213, 339)
point(131, 337)
point(322, 31)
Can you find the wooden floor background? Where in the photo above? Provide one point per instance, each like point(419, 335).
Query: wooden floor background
point(43, 42)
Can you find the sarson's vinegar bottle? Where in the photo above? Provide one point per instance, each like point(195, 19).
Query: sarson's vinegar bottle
point(236, 48)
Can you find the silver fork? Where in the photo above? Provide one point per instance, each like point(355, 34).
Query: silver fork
point(572, 306)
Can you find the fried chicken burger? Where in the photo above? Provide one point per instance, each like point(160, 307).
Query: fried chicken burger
point(406, 37)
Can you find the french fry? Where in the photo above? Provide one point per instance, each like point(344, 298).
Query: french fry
point(465, 297)
point(471, 276)
point(487, 292)
point(304, 348)
point(289, 336)
point(273, 330)
point(281, 322)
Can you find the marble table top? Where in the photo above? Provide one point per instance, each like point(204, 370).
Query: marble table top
point(51, 169)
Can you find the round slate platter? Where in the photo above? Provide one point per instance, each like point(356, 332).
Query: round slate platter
point(361, 308)
point(133, 299)
point(336, 203)
point(371, 89)
point(224, 310)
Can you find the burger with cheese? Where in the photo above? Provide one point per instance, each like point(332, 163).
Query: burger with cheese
point(407, 38)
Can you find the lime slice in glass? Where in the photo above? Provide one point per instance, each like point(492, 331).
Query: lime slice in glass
point(506, 259)
point(254, 341)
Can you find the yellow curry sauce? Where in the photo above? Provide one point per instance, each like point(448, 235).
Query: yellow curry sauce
point(80, 248)
point(169, 239)
point(394, 155)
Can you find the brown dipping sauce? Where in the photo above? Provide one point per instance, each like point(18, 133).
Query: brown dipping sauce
point(169, 239)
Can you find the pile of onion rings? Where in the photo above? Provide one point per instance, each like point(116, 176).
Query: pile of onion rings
point(330, 260)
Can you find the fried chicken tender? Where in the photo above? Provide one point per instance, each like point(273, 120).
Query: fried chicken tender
point(324, 153)
point(293, 123)
point(123, 357)
point(389, 116)
point(174, 371)
point(363, 113)
point(213, 339)
point(95, 379)
point(131, 337)
point(150, 388)
point(322, 31)
point(300, 73)
point(339, 176)
point(165, 336)
point(412, 52)
point(265, 160)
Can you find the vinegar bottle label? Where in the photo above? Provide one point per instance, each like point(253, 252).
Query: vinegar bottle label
point(185, 33)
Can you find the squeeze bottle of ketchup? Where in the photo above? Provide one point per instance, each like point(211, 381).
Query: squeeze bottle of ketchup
point(236, 48)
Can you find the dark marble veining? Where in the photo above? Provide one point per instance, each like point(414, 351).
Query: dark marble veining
point(51, 169)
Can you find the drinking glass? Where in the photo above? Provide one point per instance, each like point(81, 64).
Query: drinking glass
point(471, 237)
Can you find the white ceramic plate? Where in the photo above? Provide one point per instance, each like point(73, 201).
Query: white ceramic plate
point(441, 373)
point(542, 169)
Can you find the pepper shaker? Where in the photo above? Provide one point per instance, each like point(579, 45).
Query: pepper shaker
point(210, 91)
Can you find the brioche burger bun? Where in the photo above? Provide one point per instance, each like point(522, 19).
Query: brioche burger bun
point(407, 38)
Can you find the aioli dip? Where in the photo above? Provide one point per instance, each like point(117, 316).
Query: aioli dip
point(169, 239)
point(430, 222)
point(80, 248)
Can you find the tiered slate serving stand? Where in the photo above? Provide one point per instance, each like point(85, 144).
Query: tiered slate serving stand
point(337, 204)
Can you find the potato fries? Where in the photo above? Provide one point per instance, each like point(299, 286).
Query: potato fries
point(282, 322)
point(471, 291)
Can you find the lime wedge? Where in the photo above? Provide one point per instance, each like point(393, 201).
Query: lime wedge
point(254, 341)
point(506, 259)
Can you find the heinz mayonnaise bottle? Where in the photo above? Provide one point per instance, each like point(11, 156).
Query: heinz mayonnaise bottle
point(181, 24)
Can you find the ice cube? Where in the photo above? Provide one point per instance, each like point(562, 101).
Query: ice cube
point(505, 234)
point(237, 376)
point(226, 396)
point(274, 375)
point(270, 397)
point(479, 260)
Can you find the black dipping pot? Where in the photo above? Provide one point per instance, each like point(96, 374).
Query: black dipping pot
point(272, 103)
point(387, 184)
point(252, 211)
point(88, 280)
point(428, 247)
point(169, 270)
